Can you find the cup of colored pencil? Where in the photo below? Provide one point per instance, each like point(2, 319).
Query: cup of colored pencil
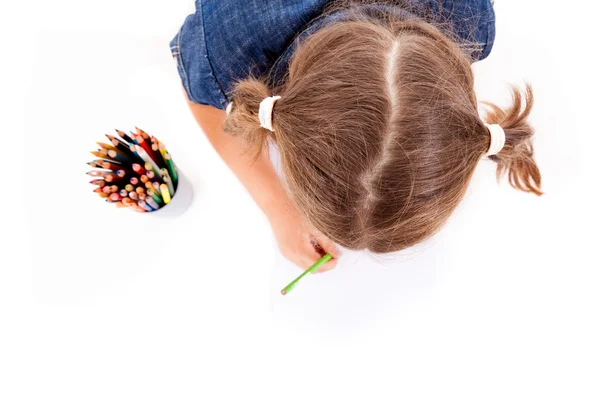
point(134, 171)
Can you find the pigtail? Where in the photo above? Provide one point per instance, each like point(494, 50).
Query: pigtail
point(516, 157)
point(242, 119)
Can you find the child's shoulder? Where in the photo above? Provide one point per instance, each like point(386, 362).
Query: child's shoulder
point(226, 40)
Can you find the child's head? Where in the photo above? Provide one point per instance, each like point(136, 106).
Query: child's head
point(379, 131)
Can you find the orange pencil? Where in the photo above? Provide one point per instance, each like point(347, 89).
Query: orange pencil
point(106, 146)
point(100, 154)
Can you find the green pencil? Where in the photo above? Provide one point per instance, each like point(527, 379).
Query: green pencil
point(314, 267)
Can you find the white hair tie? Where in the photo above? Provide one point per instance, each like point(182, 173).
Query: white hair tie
point(265, 112)
point(497, 139)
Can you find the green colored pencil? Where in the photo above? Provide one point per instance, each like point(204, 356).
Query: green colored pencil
point(314, 267)
point(171, 166)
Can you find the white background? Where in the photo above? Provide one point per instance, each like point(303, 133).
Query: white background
point(99, 303)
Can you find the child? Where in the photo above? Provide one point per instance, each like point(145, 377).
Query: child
point(371, 105)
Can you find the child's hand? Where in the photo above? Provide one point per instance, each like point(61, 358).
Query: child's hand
point(299, 241)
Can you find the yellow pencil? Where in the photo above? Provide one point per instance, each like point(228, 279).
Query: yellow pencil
point(164, 190)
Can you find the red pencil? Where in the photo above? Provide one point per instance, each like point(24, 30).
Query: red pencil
point(141, 132)
point(115, 197)
point(138, 168)
point(111, 165)
point(111, 178)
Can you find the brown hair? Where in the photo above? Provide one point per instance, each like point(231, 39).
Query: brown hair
point(379, 131)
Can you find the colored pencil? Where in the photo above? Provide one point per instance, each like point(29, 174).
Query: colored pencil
point(167, 180)
point(100, 154)
point(106, 146)
point(138, 169)
point(141, 132)
point(157, 156)
point(116, 197)
point(124, 136)
point(115, 155)
point(113, 166)
point(164, 190)
point(312, 269)
point(112, 178)
point(152, 203)
point(147, 159)
point(152, 194)
point(98, 173)
point(99, 182)
point(144, 205)
point(171, 167)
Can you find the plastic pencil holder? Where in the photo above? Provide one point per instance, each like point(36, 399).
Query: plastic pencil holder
point(180, 201)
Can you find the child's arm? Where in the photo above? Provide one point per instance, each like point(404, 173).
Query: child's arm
point(262, 182)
